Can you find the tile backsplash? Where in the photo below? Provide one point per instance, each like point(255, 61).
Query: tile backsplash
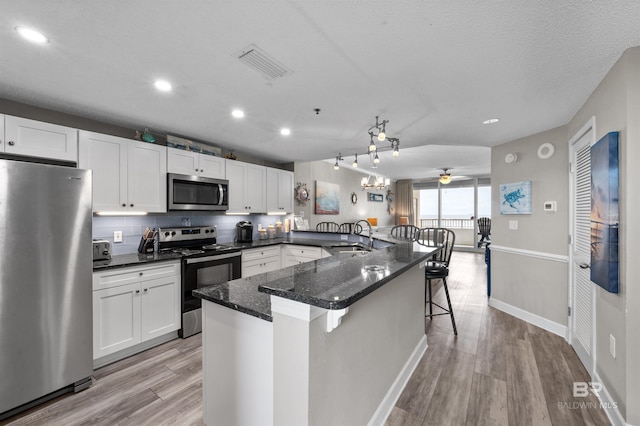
point(133, 226)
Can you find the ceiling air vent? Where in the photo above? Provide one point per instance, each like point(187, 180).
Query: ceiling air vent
point(261, 62)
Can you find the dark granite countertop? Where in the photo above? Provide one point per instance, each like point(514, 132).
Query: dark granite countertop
point(133, 259)
point(334, 282)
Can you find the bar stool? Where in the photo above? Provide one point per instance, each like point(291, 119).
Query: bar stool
point(438, 268)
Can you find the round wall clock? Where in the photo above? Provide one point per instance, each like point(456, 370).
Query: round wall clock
point(302, 194)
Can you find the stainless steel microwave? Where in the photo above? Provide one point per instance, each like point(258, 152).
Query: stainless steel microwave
point(197, 193)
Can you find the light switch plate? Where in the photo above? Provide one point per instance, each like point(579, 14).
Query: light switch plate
point(612, 346)
point(117, 236)
point(513, 225)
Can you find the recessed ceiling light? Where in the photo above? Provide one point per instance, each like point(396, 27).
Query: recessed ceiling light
point(491, 121)
point(163, 85)
point(32, 35)
point(285, 132)
point(237, 113)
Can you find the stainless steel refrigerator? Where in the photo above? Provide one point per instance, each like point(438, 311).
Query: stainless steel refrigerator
point(45, 281)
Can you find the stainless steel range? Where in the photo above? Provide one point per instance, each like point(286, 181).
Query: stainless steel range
point(204, 263)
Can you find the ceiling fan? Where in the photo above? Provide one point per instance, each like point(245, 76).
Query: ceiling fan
point(445, 178)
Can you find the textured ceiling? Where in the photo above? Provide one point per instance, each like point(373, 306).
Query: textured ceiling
point(434, 69)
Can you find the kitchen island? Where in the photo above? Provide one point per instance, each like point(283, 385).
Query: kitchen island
point(332, 341)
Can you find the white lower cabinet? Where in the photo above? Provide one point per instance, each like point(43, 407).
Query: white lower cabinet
point(134, 305)
point(260, 260)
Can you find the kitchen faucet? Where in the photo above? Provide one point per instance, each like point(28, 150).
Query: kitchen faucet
point(355, 226)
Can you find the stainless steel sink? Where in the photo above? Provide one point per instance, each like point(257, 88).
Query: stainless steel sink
point(374, 268)
point(355, 251)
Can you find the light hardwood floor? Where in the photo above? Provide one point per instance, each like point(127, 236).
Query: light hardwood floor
point(498, 370)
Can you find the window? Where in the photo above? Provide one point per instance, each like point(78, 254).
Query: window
point(455, 206)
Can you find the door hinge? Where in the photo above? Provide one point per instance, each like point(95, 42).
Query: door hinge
point(569, 311)
point(570, 167)
point(569, 239)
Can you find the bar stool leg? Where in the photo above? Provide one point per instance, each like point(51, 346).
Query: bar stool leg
point(430, 297)
point(446, 291)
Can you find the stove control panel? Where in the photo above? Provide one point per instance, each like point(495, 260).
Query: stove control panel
point(189, 233)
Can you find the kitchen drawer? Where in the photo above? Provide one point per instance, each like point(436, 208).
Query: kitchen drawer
point(260, 266)
point(123, 276)
point(303, 251)
point(260, 253)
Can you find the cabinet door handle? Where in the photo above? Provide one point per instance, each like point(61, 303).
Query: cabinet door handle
point(584, 265)
point(12, 143)
point(131, 205)
point(146, 289)
point(140, 273)
point(137, 291)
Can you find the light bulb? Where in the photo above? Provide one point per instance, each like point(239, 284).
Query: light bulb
point(364, 181)
point(376, 159)
point(372, 146)
point(395, 152)
point(162, 85)
point(381, 136)
point(387, 182)
point(32, 35)
point(335, 166)
point(237, 113)
point(355, 162)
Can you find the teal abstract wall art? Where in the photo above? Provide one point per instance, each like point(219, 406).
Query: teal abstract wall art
point(515, 198)
point(605, 213)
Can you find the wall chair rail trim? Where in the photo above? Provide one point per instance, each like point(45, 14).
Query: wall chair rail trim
point(530, 253)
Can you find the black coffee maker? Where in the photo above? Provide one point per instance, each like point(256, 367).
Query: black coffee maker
point(244, 231)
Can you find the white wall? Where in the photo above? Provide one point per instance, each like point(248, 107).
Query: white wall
point(349, 181)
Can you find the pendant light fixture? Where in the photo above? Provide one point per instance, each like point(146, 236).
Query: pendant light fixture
point(355, 162)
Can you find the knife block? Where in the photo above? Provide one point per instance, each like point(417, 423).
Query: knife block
point(147, 245)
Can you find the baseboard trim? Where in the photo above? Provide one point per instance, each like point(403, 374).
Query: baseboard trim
point(609, 405)
point(551, 326)
point(117, 356)
point(530, 253)
point(389, 401)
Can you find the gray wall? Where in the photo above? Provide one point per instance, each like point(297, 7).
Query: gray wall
point(616, 105)
point(349, 181)
point(536, 285)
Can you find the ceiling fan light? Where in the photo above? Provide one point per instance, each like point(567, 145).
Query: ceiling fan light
point(445, 178)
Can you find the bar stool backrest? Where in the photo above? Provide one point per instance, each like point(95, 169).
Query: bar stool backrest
point(405, 232)
point(435, 237)
point(327, 227)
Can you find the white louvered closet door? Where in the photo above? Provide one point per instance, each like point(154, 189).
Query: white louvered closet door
point(582, 317)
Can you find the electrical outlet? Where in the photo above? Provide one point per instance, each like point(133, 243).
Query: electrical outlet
point(344, 237)
point(513, 225)
point(612, 345)
point(117, 236)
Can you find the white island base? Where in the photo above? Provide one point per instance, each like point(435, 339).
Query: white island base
point(292, 371)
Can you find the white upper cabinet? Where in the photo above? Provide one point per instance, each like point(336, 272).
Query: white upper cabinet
point(128, 176)
point(279, 191)
point(247, 187)
point(195, 164)
point(22, 136)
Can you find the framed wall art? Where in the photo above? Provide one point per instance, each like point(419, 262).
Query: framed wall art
point(378, 198)
point(605, 213)
point(515, 198)
point(327, 198)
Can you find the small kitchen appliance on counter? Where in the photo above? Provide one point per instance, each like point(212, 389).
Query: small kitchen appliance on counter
point(244, 231)
point(101, 250)
point(204, 263)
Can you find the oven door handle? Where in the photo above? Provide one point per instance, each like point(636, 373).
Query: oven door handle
point(215, 257)
point(221, 191)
